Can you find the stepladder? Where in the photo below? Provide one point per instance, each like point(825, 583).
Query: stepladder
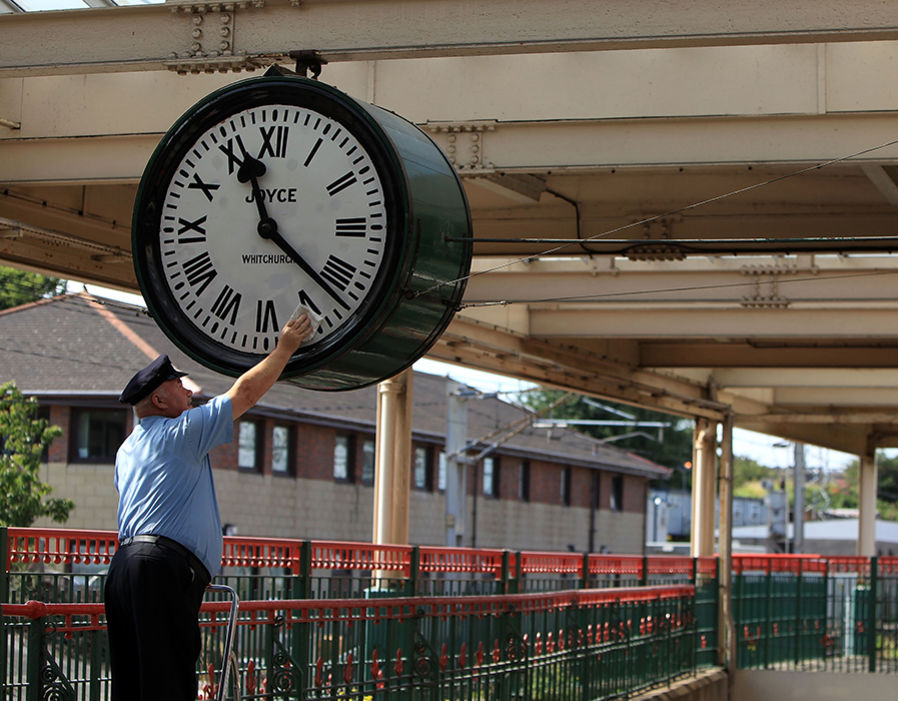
point(229, 677)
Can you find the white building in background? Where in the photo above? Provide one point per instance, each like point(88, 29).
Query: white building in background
point(759, 525)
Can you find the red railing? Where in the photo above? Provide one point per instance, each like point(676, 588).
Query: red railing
point(807, 564)
point(293, 611)
point(70, 546)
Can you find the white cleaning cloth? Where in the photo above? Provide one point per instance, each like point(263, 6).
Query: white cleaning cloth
point(313, 318)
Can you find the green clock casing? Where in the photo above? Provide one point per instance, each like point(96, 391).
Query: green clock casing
point(279, 190)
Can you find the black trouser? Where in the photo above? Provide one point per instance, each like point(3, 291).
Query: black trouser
point(153, 595)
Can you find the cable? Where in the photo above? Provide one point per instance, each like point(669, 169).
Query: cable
point(687, 288)
point(656, 217)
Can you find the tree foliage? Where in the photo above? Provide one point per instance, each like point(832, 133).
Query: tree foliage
point(843, 491)
point(19, 287)
point(23, 437)
point(749, 476)
point(670, 446)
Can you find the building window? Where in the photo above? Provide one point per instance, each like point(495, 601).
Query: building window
point(248, 445)
point(617, 493)
point(566, 486)
point(342, 463)
point(422, 469)
point(490, 478)
point(441, 472)
point(97, 434)
point(368, 462)
point(524, 481)
point(281, 451)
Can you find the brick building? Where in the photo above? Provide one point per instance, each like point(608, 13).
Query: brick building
point(302, 462)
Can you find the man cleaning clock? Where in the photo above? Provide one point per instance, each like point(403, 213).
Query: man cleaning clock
point(170, 538)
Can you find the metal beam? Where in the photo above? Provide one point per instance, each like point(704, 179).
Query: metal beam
point(110, 159)
point(820, 378)
point(481, 346)
point(751, 283)
point(861, 417)
point(848, 323)
point(164, 36)
point(680, 157)
point(790, 354)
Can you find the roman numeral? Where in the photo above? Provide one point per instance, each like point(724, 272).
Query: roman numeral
point(228, 150)
point(313, 152)
point(341, 183)
point(307, 302)
point(207, 188)
point(266, 318)
point(196, 226)
point(274, 141)
point(351, 226)
point(228, 302)
point(338, 272)
point(200, 271)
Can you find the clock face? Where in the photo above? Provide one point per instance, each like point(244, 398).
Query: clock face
point(320, 190)
point(278, 192)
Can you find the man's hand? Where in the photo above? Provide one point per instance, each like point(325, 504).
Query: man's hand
point(255, 382)
point(295, 331)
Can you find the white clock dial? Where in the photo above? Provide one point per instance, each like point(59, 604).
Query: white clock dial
point(321, 195)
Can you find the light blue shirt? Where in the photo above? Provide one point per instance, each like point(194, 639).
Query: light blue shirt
point(164, 479)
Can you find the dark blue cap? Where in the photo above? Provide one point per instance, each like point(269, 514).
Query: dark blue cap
point(148, 379)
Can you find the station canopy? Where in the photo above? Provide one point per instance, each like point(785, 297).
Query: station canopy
point(691, 211)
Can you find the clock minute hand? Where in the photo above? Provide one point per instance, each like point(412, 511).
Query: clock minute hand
point(249, 171)
point(268, 229)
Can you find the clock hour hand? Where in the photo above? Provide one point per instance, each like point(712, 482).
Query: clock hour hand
point(249, 171)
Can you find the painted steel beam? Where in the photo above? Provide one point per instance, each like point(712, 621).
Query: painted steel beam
point(514, 92)
point(754, 282)
point(757, 324)
point(817, 378)
point(196, 35)
point(477, 345)
point(564, 149)
point(681, 356)
point(582, 149)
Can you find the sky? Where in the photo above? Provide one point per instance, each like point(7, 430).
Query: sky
point(766, 450)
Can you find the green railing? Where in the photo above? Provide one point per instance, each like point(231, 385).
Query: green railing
point(808, 612)
point(578, 644)
point(68, 567)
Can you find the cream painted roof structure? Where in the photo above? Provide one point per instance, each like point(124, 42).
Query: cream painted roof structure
point(690, 207)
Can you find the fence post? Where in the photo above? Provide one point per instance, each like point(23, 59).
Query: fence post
point(35, 658)
point(584, 577)
point(4, 599)
point(302, 589)
point(4, 557)
point(799, 618)
point(871, 613)
point(505, 574)
point(768, 603)
point(414, 571)
point(96, 661)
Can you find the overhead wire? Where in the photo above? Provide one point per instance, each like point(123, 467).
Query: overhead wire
point(656, 217)
point(684, 288)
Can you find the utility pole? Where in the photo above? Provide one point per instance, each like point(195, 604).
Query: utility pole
point(456, 464)
point(798, 500)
